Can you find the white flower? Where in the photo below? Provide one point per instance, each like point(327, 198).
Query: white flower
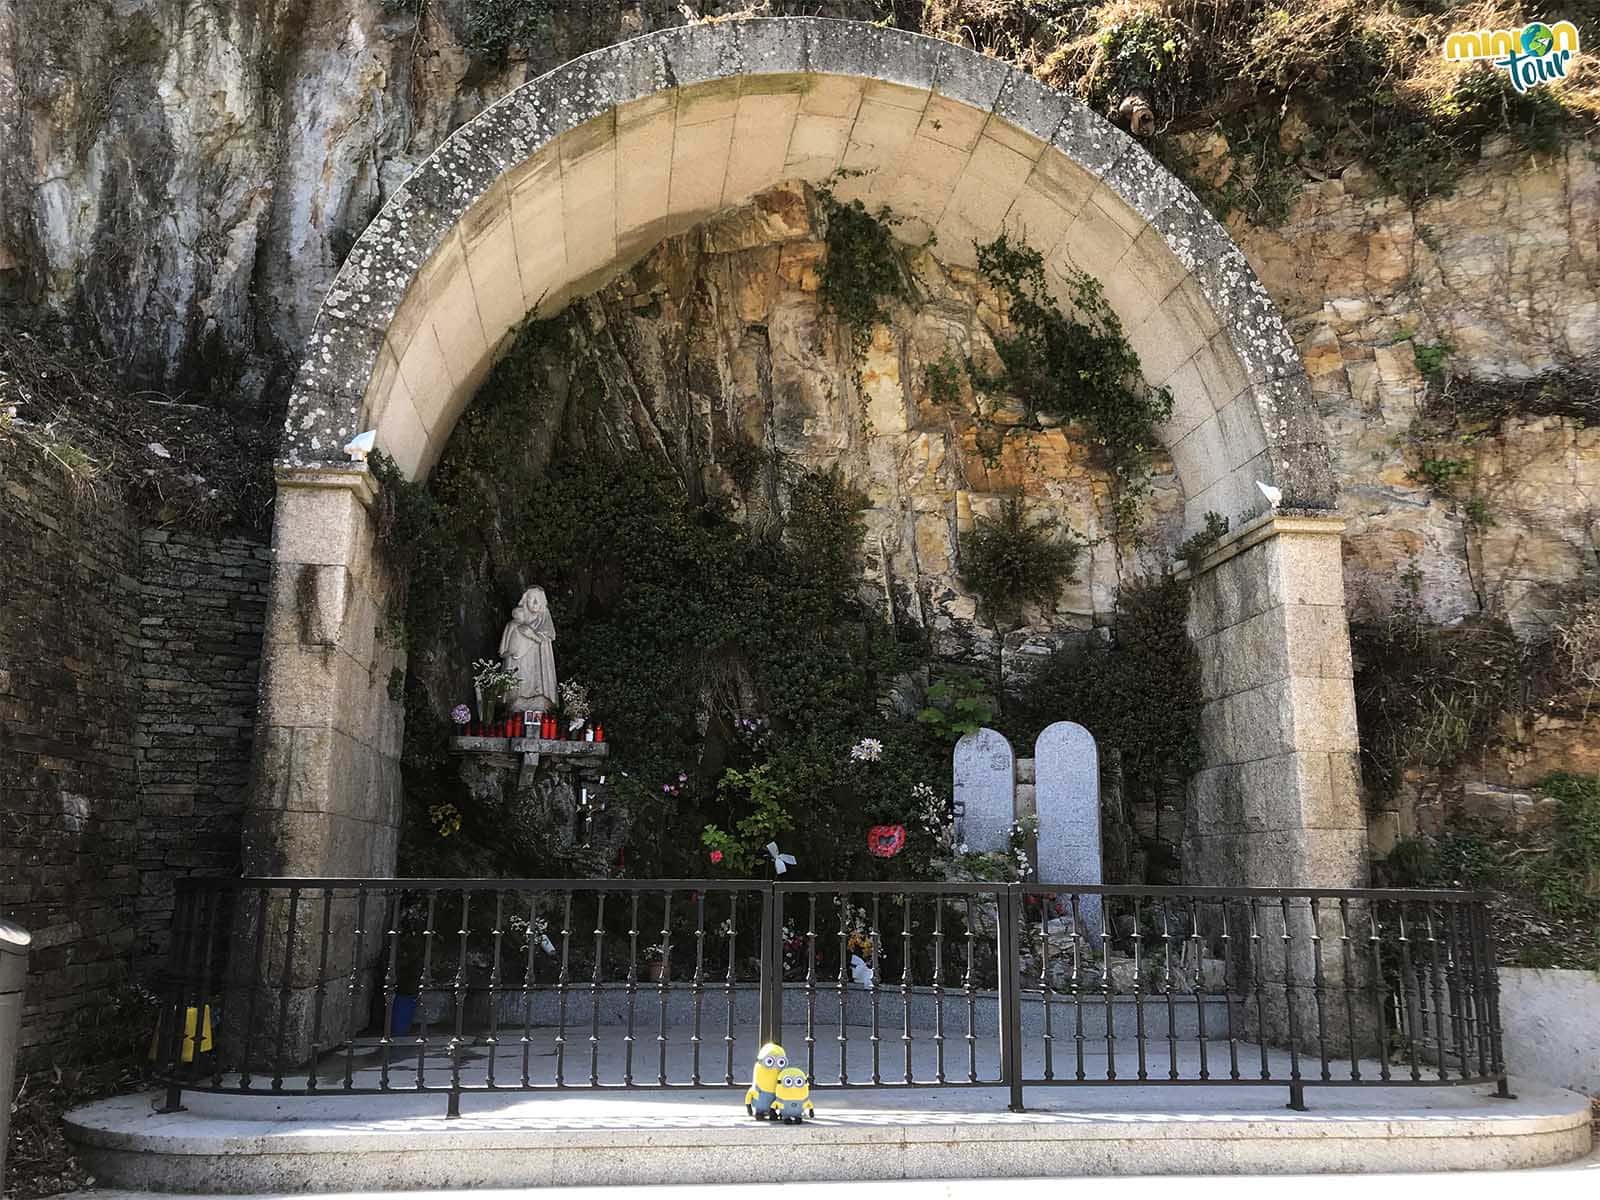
point(931, 812)
point(867, 750)
point(575, 699)
point(962, 849)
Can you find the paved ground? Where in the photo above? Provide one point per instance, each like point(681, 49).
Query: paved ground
point(890, 1052)
point(1577, 1179)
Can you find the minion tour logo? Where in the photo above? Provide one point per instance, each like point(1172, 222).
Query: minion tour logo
point(1537, 53)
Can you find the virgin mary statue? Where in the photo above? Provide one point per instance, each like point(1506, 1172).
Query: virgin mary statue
point(526, 648)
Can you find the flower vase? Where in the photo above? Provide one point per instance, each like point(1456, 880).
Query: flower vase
point(660, 971)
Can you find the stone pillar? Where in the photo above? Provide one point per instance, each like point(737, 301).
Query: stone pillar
point(325, 790)
point(1278, 800)
point(325, 787)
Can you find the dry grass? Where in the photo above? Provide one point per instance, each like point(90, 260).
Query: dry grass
point(1577, 639)
point(1360, 68)
point(106, 1057)
point(191, 465)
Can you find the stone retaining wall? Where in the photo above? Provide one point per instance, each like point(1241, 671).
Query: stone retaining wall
point(203, 603)
point(69, 627)
point(127, 696)
point(1551, 1031)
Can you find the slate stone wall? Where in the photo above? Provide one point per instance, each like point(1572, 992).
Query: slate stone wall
point(203, 603)
point(69, 631)
point(127, 668)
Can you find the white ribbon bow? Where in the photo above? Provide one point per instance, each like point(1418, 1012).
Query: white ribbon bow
point(782, 862)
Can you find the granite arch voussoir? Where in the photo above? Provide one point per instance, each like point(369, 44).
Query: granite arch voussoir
point(364, 365)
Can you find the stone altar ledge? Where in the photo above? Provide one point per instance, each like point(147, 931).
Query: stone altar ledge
point(555, 747)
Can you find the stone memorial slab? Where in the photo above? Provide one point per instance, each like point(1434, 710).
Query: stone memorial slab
point(1066, 767)
point(985, 786)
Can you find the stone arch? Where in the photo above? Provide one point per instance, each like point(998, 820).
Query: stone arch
point(571, 178)
point(576, 174)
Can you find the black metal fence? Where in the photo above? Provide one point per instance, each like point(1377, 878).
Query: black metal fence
point(462, 986)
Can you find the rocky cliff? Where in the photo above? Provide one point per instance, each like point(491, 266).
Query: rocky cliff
point(185, 177)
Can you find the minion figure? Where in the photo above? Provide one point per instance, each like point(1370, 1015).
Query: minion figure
point(770, 1060)
point(792, 1104)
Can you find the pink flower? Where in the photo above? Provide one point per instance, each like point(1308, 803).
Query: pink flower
point(716, 856)
point(682, 778)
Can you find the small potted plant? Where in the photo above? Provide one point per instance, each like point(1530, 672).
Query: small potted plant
point(461, 717)
point(493, 684)
point(660, 968)
point(575, 707)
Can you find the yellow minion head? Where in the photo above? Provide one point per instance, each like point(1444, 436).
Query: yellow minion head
point(793, 1084)
point(770, 1060)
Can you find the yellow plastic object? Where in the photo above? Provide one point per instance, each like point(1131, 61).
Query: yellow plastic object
point(190, 1018)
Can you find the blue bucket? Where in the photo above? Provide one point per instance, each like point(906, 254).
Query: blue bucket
point(405, 1011)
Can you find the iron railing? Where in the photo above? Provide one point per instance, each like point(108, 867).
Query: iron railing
point(461, 986)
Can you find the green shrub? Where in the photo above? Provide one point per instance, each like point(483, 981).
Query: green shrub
point(492, 28)
point(1202, 542)
point(1550, 879)
point(959, 703)
point(1138, 693)
point(1410, 863)
point(1430, 358)
point(1426, 693)
point(944, 379)
point(1478, 513)
point(1008, 562)
point(1145, 52)
point(744, 461)
point(1570, 882)
point(1442, 474)
point(754, 794)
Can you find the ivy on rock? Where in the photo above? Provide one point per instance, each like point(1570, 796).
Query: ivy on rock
point(864, 268)
point(1076, 367)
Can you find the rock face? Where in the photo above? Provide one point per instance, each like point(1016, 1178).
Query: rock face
point(1500, 280)
point(1497, 282)
point(186, 178)
point(718, 344)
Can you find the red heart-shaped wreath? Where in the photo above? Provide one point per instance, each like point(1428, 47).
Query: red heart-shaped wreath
point(885, 841)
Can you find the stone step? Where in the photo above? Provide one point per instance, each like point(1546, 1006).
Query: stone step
point(270, 1144)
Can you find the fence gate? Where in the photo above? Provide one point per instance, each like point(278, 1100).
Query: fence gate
point(459, 986)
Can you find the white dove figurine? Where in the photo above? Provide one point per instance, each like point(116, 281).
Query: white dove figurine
point(361, 445)
point(860, 972)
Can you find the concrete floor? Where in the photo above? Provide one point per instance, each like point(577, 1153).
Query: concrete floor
point(651, 1056)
